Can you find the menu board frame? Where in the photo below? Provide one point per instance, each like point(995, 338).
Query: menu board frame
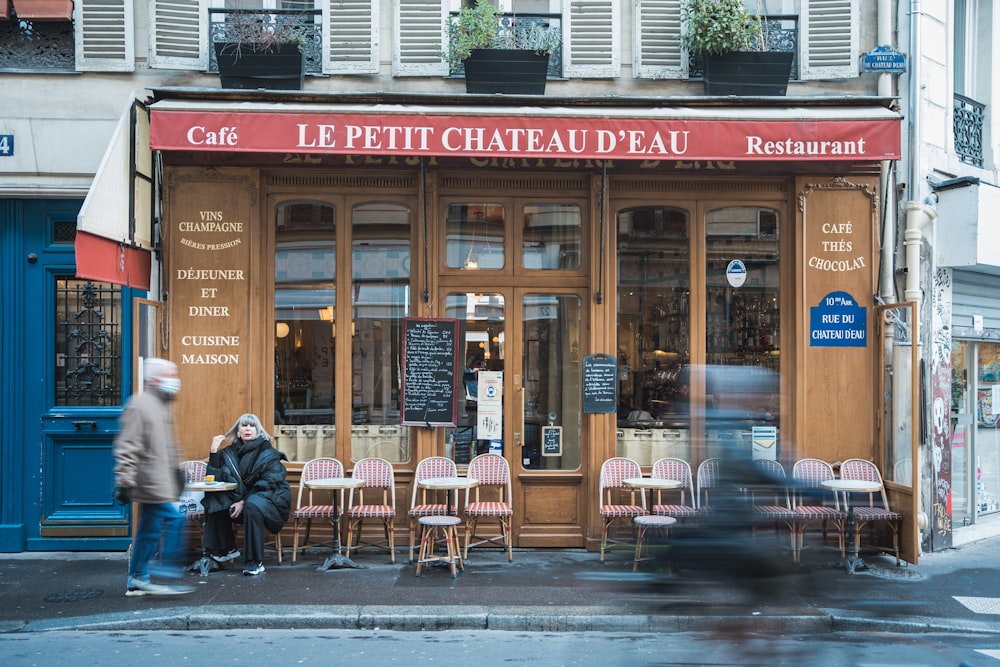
point(434, 367)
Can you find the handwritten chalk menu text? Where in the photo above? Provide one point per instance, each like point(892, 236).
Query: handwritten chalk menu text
point(600, 383)
point(430, 363)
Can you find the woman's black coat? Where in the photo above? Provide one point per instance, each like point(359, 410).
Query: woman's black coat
point(256, 468)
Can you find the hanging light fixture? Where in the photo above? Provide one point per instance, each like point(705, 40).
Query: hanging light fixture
point(281, 329)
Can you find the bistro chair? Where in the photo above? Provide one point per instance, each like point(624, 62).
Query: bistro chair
point(708, 480)
point(376, 500)
point(809, 499)
point(319, 468)
point(876, 509)
point(190, 501)
point(678, 470)
point(617, 500)
point(772, 503)
point(493, 474)
point(432, 466)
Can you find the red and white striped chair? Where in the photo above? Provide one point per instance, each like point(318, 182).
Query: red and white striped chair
point(678, 470)
point(432, 466)
point(617, 500)
point(875, 510)
point(772, 503)
point(808, 476)
point(708, 481)
point(493, 474)
point(376, 500)
point(318, 468)
point(191, 507)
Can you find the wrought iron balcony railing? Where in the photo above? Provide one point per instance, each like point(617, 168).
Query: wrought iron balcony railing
point(969, 118)
point(225, 26)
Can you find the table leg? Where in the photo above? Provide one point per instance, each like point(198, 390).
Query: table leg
point(336, 560)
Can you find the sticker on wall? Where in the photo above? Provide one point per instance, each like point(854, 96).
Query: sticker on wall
point(736, 273)
point(838, 321)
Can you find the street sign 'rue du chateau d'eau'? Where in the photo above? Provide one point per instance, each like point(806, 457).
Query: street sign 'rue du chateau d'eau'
point(884, 60)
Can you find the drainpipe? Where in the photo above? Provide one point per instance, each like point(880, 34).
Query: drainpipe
point(887, 285)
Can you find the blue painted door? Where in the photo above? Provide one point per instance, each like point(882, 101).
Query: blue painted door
point(77, 369)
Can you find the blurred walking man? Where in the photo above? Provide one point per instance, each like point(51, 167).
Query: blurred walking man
point(147, 471)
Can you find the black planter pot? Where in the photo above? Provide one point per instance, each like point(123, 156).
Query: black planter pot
point(510, 71)
point(748, 73)
point(243, 68)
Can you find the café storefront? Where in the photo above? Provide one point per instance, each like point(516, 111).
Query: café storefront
point(296, 237)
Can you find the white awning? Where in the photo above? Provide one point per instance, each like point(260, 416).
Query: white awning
point(115, 220)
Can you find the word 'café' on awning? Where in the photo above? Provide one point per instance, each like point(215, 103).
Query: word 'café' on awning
point(115, 230)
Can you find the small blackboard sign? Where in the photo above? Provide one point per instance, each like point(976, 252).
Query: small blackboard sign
point(600, 383)
point(430, 362)
point(552, 441)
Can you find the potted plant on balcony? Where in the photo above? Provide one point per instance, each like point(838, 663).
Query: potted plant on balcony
point(733, 46)
point(499, 59)
point(260, 53)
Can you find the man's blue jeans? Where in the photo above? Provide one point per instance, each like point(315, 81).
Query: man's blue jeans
point(159, 523)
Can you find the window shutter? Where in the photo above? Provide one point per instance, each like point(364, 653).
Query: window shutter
point(831, 39)
point(658, 53)
point(351, 44)
point(419, 34)
point(178, 34)
point(591, 40)
point(104, 36)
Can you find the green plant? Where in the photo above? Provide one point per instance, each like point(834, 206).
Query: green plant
point(714, 27)
point(260, 32)
point(480, 27)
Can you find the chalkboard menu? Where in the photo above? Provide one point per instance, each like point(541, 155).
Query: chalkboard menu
point(430, 360)
point(552, 441)
point(600, 383)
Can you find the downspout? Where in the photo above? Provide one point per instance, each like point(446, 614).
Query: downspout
point(887, 284)
point(918, 215)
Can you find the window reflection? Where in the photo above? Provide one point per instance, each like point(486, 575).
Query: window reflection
point(304, 306)
point(474, 236)
point(380, 299)
point(552, 235)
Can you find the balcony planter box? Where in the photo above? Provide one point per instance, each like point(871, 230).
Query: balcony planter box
point(506, 71)
point(747, 73)
point(243, 68)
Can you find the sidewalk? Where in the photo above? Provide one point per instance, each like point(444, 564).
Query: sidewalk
point(542, 590)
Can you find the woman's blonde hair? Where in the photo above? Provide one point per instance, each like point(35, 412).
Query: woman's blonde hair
point(247, 420)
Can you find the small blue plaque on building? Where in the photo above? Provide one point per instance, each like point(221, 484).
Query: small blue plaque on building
point(6, 144)
point(883, 59)
point(838, 321)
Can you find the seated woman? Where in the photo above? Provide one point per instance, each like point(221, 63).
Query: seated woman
point(262, 499)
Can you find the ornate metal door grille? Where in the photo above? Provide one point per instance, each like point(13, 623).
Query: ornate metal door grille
point(88, 343)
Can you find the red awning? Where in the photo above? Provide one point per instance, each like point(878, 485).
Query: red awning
point(4, 9)
point(99, 258)
point(739, 134)
point(44, 10)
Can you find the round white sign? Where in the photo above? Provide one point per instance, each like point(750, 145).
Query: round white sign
point(736, 273)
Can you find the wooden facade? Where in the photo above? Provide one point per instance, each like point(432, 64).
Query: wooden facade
point(220, 311)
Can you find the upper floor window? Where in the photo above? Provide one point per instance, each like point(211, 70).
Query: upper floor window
point(29, 41)
point(972, 65)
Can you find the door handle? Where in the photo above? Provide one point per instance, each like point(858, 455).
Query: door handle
point(79, 425)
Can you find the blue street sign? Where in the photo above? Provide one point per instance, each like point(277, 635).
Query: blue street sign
point(838, 321)
point(6, 144)
point(883, 59)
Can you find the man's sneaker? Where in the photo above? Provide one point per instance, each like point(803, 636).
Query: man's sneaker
point(253, 569)
point(225, 558)
point(139, 587)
